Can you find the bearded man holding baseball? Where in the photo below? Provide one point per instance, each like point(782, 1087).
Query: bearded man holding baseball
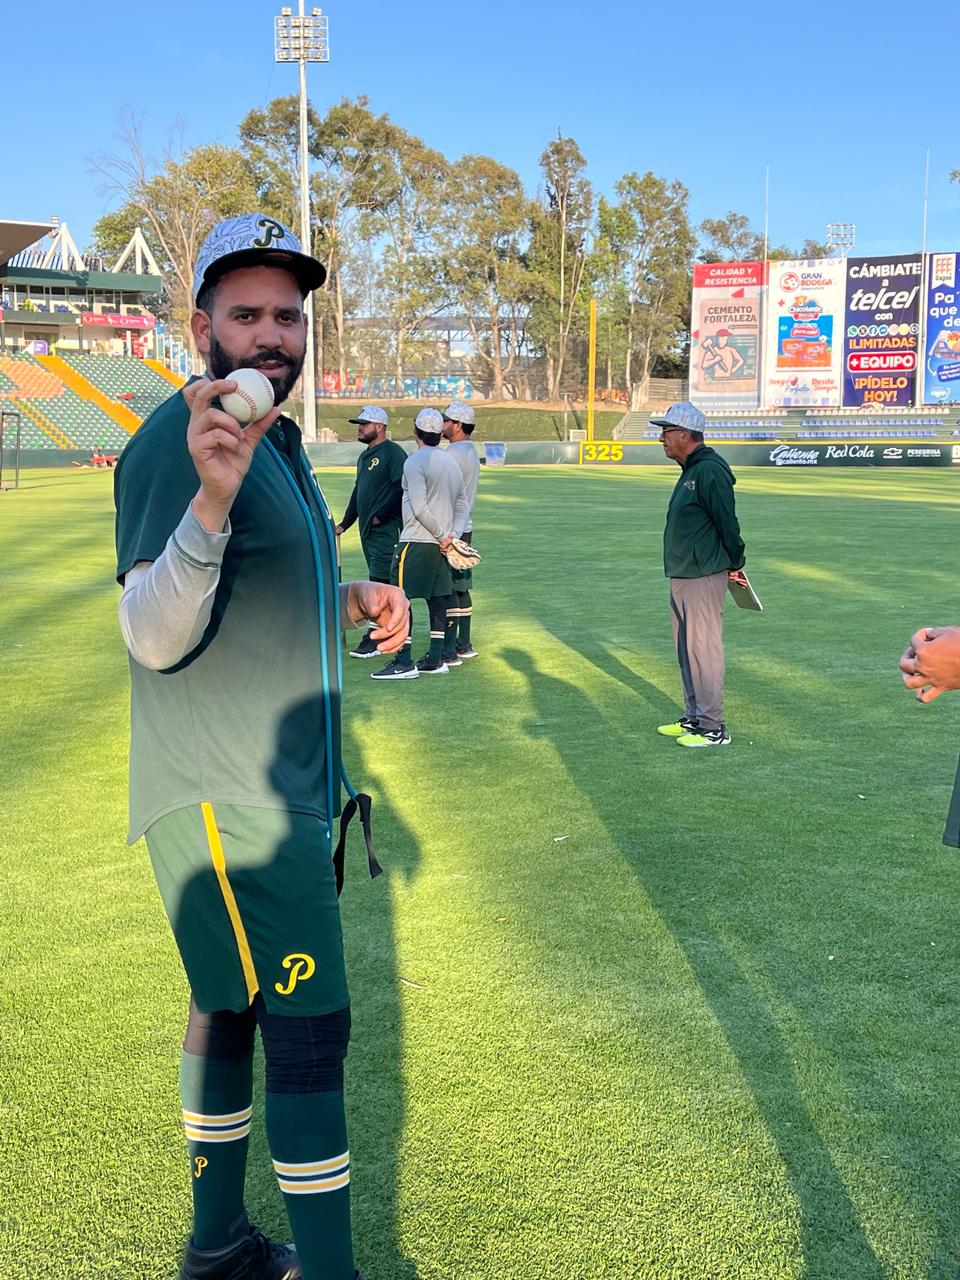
point(231, 611)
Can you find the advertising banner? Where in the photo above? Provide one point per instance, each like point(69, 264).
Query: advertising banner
point(803, 346)
point(801, 454)
point(941, 365)
point(725, 335)
point(882, 334)
point(117, 321)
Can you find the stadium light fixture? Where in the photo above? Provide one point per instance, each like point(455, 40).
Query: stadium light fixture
point(841, 238)
point(303, 38)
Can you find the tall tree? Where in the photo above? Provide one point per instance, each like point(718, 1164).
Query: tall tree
point(733, 239)
point(559, 252)
point(660, 254)
point(176, 203)
point(487, 218)
point(406, 221)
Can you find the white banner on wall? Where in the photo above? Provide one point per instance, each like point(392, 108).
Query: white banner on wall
point(803, 339)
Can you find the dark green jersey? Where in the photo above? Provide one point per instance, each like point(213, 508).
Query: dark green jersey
point(377, 491)
point(702, 535)
point(252, 715)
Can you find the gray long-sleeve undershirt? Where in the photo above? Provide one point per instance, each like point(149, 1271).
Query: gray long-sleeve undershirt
point(167, 602)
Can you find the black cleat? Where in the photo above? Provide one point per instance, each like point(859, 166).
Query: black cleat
point(249, 1255)
point(453, 660)
point(366, 648)
point(428, 667)
point(466, 651)
point(396, 670)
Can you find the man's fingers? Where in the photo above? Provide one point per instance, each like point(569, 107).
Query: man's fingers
point(928, 695)
point(255, 432)
point(215, 420)
point(923, 636)
point(199, 395)
point(908, 661)
point(217, 438)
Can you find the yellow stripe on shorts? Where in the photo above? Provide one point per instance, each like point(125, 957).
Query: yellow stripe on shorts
point(230, 902)
point(403, 556)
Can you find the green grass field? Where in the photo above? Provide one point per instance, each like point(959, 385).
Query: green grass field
point(620, 1010)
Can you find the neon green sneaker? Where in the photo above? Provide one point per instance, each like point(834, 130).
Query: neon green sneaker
point(684, 725)
point(719, 737)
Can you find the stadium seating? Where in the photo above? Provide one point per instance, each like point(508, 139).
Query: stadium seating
point(892, 432)
point(83, 423)
point(118, 376)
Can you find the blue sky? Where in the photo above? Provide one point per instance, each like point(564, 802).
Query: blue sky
point(841, 100)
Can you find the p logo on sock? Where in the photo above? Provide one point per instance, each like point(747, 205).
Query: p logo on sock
point(301, 968)
point(199, 1164)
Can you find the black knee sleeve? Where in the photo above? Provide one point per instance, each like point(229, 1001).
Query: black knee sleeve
point(303, 1055)
point(438, 606)
point(223, 1035)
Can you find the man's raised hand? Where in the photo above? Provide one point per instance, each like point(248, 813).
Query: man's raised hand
point(221, 450)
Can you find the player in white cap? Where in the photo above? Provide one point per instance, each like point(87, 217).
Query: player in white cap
point(435, 511)
point(459, 421)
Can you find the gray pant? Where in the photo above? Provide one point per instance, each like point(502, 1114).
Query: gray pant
point(696, 611)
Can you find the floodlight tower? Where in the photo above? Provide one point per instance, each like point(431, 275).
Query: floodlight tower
point(841, 238)
point(303, 38)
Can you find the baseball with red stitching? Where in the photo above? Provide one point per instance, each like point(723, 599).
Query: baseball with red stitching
point(252, 399)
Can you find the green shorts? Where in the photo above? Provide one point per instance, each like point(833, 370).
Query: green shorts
point(379, 544)
point(463, 578)
point(422, 570)
point(252, 901)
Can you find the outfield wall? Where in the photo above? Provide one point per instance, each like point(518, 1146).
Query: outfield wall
point(528, 453)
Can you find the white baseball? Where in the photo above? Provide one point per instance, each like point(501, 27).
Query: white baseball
point(252, 399)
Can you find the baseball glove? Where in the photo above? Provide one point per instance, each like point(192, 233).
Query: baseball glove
point(460, 555)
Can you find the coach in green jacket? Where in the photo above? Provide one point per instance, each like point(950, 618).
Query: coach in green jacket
point(702, 550)
point(375, 502)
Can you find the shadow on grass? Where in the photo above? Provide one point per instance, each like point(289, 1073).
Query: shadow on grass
point(374, 1090)
point(834, 1242)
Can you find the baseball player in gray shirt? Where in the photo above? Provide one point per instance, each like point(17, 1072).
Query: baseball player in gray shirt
point(435, 511)
point(459, 420)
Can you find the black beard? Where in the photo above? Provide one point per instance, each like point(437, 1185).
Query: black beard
point(222, 364)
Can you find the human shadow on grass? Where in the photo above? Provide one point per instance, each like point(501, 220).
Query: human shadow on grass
point(374, 1087)
point(832, 1236)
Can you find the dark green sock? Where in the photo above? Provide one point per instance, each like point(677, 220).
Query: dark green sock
point(404, 656)
point(308, 1142)
point(450, 634)
point(217, 1097)
point(435, 653)
point(465, 604)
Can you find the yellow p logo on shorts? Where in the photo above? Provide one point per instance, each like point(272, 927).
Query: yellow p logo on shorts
point(301, 968)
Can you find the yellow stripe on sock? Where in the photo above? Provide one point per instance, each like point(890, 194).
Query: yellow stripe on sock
point(216, 1135)
point(322, 1166)
point(310, 1188)
point(220, 866)
point(238, 1117)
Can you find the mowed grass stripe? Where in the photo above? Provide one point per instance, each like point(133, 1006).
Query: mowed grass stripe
point(710, 1033)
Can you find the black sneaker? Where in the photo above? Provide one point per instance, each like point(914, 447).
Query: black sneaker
point(396, 670)
point(466, 651)
point(248, 1255)
point(453, 660)
point(366, 648)
point(428, 667)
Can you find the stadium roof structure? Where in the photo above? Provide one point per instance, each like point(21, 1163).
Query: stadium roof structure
point(16, 236)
